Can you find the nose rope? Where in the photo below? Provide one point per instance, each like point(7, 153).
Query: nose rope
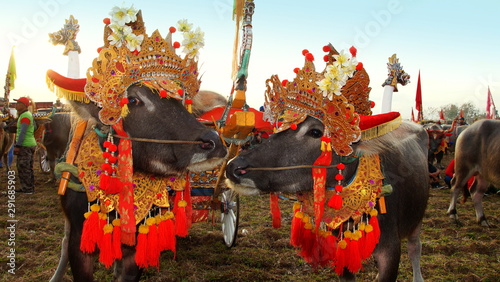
point(159, 141)
point(289, 167)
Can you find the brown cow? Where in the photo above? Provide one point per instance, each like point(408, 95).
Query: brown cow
point(477, 154)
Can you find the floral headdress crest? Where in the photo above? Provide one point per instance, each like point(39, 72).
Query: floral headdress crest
point(320, 95)
point(130, 56)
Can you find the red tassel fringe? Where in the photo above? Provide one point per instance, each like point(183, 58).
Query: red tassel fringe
point(275, 210)
point(91, 230)
point(141, 254)
point(153, 248)
point(105, 247)
point(117, 244)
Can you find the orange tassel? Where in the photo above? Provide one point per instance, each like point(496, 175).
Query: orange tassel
point(117, 244)
point(152, 244)
point(141, 252)
point(296, 236)
point(275, 210)
point(335, 202)
point(90, 232)
point(105, 247)
point(340, 256)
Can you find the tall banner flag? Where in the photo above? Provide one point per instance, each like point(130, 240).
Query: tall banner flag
point(412, 116)
point(418, 99)
point(490, 106)
point(11, 75)
point(441, 114)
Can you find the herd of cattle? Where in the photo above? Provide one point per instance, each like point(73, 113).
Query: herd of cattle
point(404, 153)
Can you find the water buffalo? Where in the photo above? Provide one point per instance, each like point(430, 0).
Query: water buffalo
point(403, 157)
point(55, 139)
point(476, 155)
point(150, 117)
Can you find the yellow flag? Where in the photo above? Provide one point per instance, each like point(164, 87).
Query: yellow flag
point(11, 72)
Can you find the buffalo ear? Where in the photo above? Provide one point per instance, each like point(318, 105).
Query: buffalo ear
point(86, 111)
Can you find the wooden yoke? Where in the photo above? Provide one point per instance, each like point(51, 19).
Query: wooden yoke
point(71, 155)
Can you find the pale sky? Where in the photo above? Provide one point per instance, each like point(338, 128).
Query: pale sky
point(454, 44)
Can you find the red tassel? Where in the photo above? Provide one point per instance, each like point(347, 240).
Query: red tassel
point(181, 219)
point(114, 185)
point(90, 232)
point(330, 248)
point(117, 244)
point(374, 222)
point(308, 243)
point(106, 256)
point(340, 256)
point(362, 244)
point(141, 252)
point(335, 202)
point(296, 236)
point(167, 232)
point(152, 245)
point(353, 257)
point(104, 181)
point(275, 211)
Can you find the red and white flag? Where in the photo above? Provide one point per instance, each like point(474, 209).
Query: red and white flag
point(490, 106)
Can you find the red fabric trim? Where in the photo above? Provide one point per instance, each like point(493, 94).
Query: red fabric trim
point(367, 122)
point(72, 84)
point(26, 120)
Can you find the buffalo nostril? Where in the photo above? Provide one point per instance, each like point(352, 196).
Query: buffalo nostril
point(207, 145)
point(240, 171)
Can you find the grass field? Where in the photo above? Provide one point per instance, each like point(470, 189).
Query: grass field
point(450, 253)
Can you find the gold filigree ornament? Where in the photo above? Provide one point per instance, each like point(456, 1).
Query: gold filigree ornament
point(130, 56)
point(149, 190)
point(320, 95)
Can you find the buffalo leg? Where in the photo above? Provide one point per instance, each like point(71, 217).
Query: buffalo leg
point(414, 246)
point(459, 183)
point(63, 261)
point(126, 269)
point(387, 254)
point(75, 204)
point(477, 199)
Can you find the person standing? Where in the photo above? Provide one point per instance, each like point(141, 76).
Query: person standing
point(25, 146)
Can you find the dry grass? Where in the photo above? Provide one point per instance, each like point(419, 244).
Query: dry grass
point(450, 253)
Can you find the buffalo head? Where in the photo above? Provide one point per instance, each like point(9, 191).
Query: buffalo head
point(155, 118)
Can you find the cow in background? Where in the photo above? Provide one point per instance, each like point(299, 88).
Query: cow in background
point(477, 154)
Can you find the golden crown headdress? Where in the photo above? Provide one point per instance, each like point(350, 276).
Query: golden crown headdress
point(328, 96)
point(130, 56)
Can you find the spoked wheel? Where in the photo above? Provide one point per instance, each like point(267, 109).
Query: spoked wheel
point(42, 159)
point(230, 210)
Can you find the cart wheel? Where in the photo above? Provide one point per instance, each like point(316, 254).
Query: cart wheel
point(42, 158)
point(230, 210)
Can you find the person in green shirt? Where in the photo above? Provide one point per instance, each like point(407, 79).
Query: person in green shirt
point(25, 146)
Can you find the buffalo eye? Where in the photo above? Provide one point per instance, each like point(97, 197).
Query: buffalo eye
point(316, 133)
point(134, 101)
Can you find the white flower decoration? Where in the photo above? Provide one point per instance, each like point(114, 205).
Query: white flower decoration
point(134, 42)
point(119, 35)
point(337, 74)
point(184, 26)
point(122, 16)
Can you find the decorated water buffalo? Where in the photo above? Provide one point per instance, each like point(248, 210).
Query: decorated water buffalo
point(476, 154)
point(438, 142)
point(132, 147)
point(358, 179)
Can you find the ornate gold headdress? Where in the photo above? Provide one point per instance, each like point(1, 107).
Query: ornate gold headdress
point(327, 96)
point(130, 56)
